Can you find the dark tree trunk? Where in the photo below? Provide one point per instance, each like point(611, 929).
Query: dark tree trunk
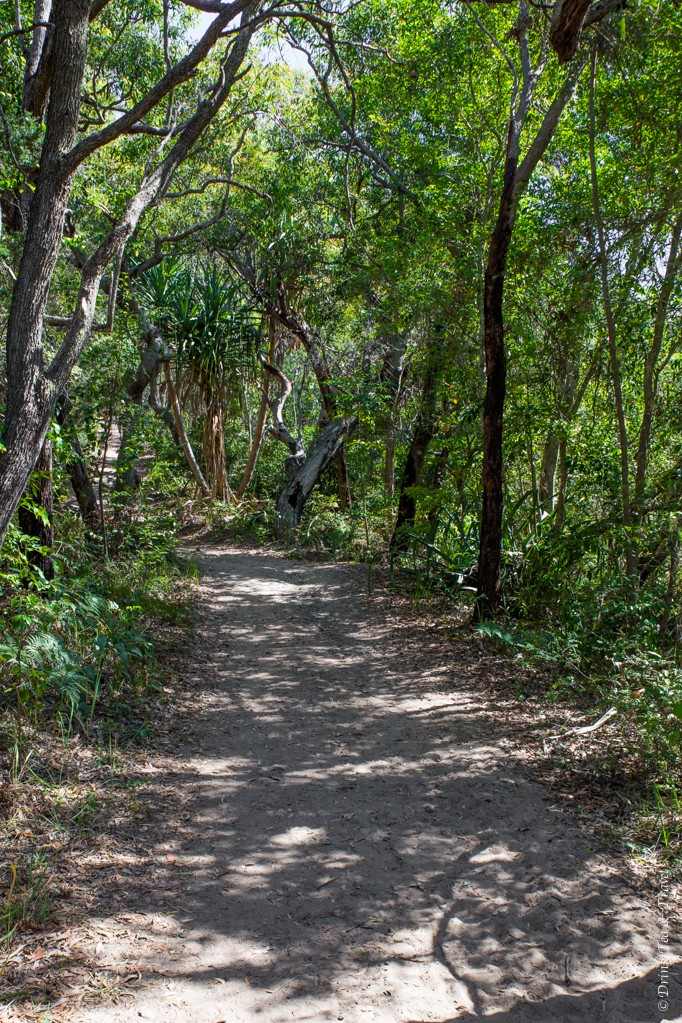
point(77, 468)
point(423, 432)
point(40, 527)
point(305, 471)
point(438, 467)
point(548, 468)
point(392, 379)
point(38, 74)
point(490, 555)
point(567, 23)
point(516, 178)
point(32, 394)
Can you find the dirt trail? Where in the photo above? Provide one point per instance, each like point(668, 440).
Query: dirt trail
point(364, 847)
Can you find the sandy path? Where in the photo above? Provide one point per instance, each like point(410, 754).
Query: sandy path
point(364, 848)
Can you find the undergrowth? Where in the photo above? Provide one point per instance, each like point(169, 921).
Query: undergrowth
point(79, 671)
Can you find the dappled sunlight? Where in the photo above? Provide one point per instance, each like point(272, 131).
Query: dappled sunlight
point(358, 846)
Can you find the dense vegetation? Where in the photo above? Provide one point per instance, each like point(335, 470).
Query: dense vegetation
point(393, 281)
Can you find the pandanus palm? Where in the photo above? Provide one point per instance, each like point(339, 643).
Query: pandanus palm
point(213, 331)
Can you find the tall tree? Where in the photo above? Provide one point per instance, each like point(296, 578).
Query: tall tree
point(35, 380)
point(518, 169)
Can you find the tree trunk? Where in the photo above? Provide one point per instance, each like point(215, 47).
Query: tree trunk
point(160, 408)
point(515, 182)
point(548, 468)
point(40, 528)
point(32, 395)
point(614, 358)
point(490, 553)
point(154, 354)
point(306, 471)
point(560, 511)
point(423, 432)
point(34, 386)
point(392, 377)
point(182, 434)
point(38, 73)
point(262, 412)
point(77, 468)
point(255, 444)
point(389, 457)
point(651, 367)
point(214, 446)
point(567, 22)
point(664, 622)
point(314, 348)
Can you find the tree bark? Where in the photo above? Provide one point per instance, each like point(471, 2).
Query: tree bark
point(306, 470)
point(38, 73)
point(77, 468)
point(567, 22)
point(614, 358)
point(651, 367)
point(154, 354)
point(33, 389)
point(490, 553)
point(548, 467)
point(560, 509)
point(31, 395)
point(515, 181)
point(182, 434)
point(262, 413)
point(392, 377)
point(312, 343)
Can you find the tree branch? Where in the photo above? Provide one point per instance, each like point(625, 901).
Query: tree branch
point(276, 405)
point(183, 70)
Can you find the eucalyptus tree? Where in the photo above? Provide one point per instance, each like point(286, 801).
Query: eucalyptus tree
point(533, 81)
point(78, 125)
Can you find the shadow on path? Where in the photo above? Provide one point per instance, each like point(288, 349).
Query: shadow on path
point(360, 846)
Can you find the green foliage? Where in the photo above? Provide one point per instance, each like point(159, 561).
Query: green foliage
point(73, 648)
point(205, 315)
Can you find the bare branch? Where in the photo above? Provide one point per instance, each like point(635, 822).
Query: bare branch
point(183, 70)
point(149, 191)
point(230, 182)
point(23, 31)
point(207, 6)
point(276, 405)
point(355, 141)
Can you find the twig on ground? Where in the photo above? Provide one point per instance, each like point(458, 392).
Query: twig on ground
point(589, 728)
